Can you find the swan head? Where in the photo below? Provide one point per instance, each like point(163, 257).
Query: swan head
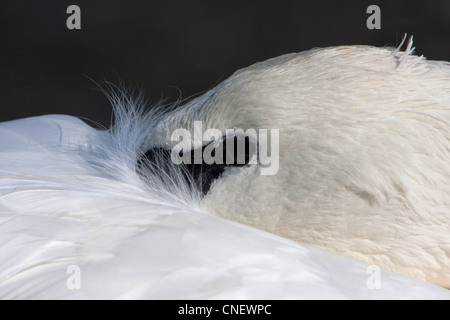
point(345, 148)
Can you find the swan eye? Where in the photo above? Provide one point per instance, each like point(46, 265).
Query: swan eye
point(239, 152)
point(217, 156)
point(231, 151)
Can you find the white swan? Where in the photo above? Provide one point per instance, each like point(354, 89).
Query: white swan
point(82, 215)
point(364, 154)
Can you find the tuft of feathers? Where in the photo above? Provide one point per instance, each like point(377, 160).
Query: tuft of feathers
point(119, 151)
point(403, 57)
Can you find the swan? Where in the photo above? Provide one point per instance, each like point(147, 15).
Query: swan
point(357, 207)
point(364, 154)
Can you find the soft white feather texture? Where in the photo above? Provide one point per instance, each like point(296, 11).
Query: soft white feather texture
point(364, 153)
point(65, 200)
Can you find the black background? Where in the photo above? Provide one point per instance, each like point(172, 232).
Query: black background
point(173, 48)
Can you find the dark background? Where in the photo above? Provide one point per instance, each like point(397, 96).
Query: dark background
point(172, 48)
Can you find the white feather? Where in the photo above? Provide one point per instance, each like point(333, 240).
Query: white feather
point(71, 195)
point(364, 153)
point(57, 210)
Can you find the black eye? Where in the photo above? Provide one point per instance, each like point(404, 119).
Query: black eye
point(232, 151)
point(238, 151)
